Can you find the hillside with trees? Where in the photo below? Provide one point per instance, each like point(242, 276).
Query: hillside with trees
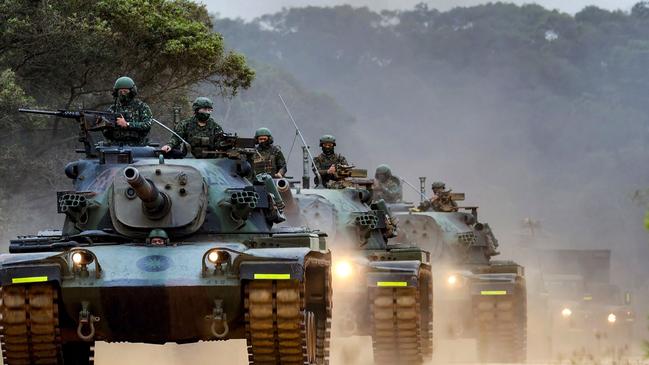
point(532, 112)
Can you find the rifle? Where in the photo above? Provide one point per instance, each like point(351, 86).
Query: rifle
point(89, 121)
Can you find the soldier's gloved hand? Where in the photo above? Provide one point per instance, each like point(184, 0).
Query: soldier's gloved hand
point(166, 148)
point(279, 175)
point(121, 122)
point(332, 169)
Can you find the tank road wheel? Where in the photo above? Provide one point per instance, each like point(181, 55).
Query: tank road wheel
point(282, 327)
point(402, 322)
point(29, 324)
point(502, 326)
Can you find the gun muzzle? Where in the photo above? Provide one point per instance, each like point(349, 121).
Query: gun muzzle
point(284, 189)
point(154, 203)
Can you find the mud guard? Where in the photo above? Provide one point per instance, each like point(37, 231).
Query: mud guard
point(393, 274)
point(271, 270)
point(30, 274)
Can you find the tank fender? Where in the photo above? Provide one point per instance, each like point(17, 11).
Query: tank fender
point(494, 285)
point(271, 270)
point(393, 273)
point(26, 274)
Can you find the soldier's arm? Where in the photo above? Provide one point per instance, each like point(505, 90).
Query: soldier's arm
point(280, 163)
point(142, 120)
point(181, 130)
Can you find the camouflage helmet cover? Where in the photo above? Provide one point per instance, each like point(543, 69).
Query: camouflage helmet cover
point(327, 138)
point(158, 233)
point(202, 102)
point(438, 185)
point(124, 82)
point(383, 170)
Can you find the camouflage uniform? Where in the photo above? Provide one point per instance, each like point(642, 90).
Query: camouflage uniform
point(324, 161)
point(201, 138)
point(442, 202)
point(269, 159)
point(138, 115)
point(388, 190)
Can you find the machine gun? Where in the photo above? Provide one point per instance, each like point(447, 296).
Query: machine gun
point(349, 176)
point(89, 121)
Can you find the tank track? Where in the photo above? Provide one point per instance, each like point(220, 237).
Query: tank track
point(401, 325)
point(502, 326)
point(426, 285)
point(29, 328)
point(278, 328)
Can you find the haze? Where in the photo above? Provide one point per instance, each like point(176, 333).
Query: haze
point(250, 9)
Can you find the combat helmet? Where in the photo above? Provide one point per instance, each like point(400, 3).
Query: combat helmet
point(438, 185)
point(202, 102)
point(264, 132)
point(158, 233)
point(124, 82)
point(327, 138)
point(383, 170)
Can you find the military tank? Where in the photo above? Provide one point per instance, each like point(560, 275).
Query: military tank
point(382, 290)
point(227, 271)
point(477, 297)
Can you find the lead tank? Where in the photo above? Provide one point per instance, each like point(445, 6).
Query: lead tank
point(227, 272)
point(477, 297)
point(382, 290)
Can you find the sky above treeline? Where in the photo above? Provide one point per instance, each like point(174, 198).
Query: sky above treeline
point(250, 9)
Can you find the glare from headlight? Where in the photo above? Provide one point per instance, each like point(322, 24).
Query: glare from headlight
point(77, 258)
point(451, 280)
point(343, 269)
point(213, 257)
point(566, 312)
point(612, 318)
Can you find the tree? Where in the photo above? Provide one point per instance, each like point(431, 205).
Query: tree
point(69, 52)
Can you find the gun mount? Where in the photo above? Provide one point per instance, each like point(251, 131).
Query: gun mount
point(156, 204)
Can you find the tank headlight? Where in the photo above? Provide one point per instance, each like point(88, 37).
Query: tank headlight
point(343, 269)
point(452, 280)
point(566, 313)
point(217, 257)
point(213, 257)
point(612, 318)
point(80, 258)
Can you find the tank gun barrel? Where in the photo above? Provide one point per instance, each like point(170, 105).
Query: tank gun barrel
point(284, 189)
point(156, 204)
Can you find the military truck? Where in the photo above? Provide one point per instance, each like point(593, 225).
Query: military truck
point(588, 312)
point(477, 297)
point(382, 290)
point(226, 270)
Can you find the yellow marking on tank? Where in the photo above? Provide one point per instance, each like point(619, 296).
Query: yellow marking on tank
point(273, 276)
point(391, 283)
point(30, 279)
point(588, 298)
point(493, 292)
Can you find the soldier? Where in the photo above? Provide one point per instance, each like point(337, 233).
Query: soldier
point(326, 162)
point(201, 131)
point(134, 124)
point(386, 185)
point(269, 158)
point(441, 200)
point(158, 237)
